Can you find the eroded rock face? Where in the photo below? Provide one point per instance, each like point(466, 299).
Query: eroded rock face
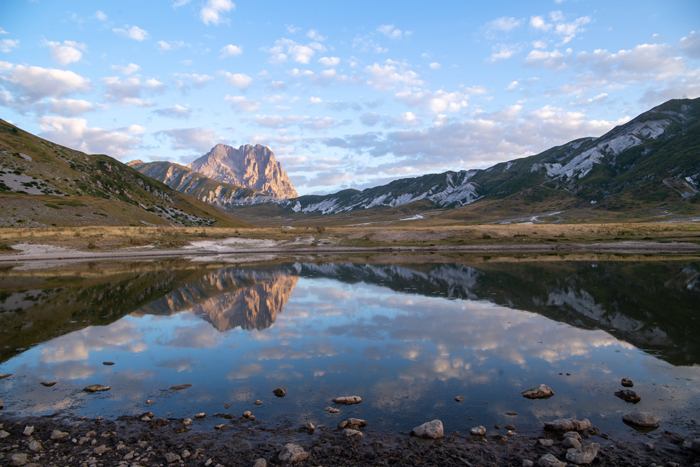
point(248, 166)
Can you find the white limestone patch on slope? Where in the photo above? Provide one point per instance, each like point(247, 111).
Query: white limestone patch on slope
point(634, 135)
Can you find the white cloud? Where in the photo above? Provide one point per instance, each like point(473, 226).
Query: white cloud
point(323, 78)
point(437, 102)
point(554, 60)
point(128, 91)
point(129, 69)
point(367, 44)
point(100, 16)
point(74, 133)
point(390, 31)
point(435, 66)
point(231, 51)
point(329, 61)
point(33, 83)
point(386, 77)
point(239, 80)
point(179, 3)
point(133, 32)
point(291, 29)
point(645, 61)
point(164, 46)
point(315, 36)
point(512, 85)
point(690, 45)
point(286, 48)
point(2, 31)
point(198, 81)
point(242, 103)
point(504, 52)
point(65, 53)
point(6, 45)
point(566, 30)
point(304, 121)
point(213, 10)
point(176, 111)
point(315, 100)
point(502, 24)
point(69, 107)
point(198, 139)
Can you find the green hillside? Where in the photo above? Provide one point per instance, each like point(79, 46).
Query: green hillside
point(45, 184)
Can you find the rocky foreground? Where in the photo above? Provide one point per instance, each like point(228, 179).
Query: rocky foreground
point(242, 441)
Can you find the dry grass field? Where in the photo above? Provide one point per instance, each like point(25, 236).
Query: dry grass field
point(107, 238)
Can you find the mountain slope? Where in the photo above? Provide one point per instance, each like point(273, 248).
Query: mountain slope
point(44, 184)
point(248, 166)
point(647, 165)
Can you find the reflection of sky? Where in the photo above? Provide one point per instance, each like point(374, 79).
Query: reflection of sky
point(408, 356)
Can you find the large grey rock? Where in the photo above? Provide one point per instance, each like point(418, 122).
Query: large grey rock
point(349, 400)
point(171, 457)
point(695, 445)
point(478, 431)
point(567, 424)
point(260, 463)
point(541, 392)
point(58, 434)
point(547, 443)
point(18, 459)
point(643, 419)
point(431, 430)
point(528, 463)
point(585, 455)
point(350, 433)
point(571, 443)
point(572, 434)
point(548, 460)
point(293, 453)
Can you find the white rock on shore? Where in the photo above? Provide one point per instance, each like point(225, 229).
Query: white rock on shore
point(433, 430)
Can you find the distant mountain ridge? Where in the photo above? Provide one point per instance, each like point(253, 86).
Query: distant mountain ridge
point(652, 160)
point(248, 166)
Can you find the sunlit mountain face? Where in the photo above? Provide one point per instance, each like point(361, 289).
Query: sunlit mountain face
point(408, 338)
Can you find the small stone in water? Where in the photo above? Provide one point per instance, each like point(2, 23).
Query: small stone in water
point(459, 398)
point(280, 392)
point(108, 363)
point(200, 415)
point(48, 384)
point(626, 382)
point(257, 402)
point(349, 400)
point(478, 431)
point(180, 387)
point(187, 421)
point(541, 392)
point(218, 427)
point(96, 388)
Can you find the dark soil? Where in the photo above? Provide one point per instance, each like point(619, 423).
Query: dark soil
point(131, 442)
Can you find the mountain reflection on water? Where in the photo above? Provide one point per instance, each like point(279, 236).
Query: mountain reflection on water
point(399, 335)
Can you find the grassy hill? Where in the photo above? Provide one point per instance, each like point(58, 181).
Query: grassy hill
point(46, 184)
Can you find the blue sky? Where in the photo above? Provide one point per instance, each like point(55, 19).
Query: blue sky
point(346, 94)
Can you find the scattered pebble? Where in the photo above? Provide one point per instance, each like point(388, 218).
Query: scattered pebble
point(478, 431)
point(171, 457)
point(200, 415)
point(108, 363)
point(57, 434)
point(626, 382)
point(628, 395)
point(48, 384)
point(352, 423)
point(350, 433)
point(292, 453)
point(28, 430)
point(641, 419)
point(258, 403)
point(331, 410)
point(280, 392)
point(546, 442)
point(459, 398)
point(548, 460)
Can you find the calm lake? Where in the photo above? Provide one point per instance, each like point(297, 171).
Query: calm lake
point(406, 335)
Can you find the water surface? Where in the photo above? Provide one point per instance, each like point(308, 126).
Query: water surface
point(407, 338)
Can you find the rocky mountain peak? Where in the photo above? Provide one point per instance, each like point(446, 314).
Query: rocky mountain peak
point(248, 166)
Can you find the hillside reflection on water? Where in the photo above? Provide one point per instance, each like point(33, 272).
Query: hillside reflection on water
point(408, 338)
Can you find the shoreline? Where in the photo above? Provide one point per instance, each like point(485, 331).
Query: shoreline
point(129, 441)
point(627, 247)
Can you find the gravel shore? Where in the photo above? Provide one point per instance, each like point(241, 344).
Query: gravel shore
point(132, 442)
